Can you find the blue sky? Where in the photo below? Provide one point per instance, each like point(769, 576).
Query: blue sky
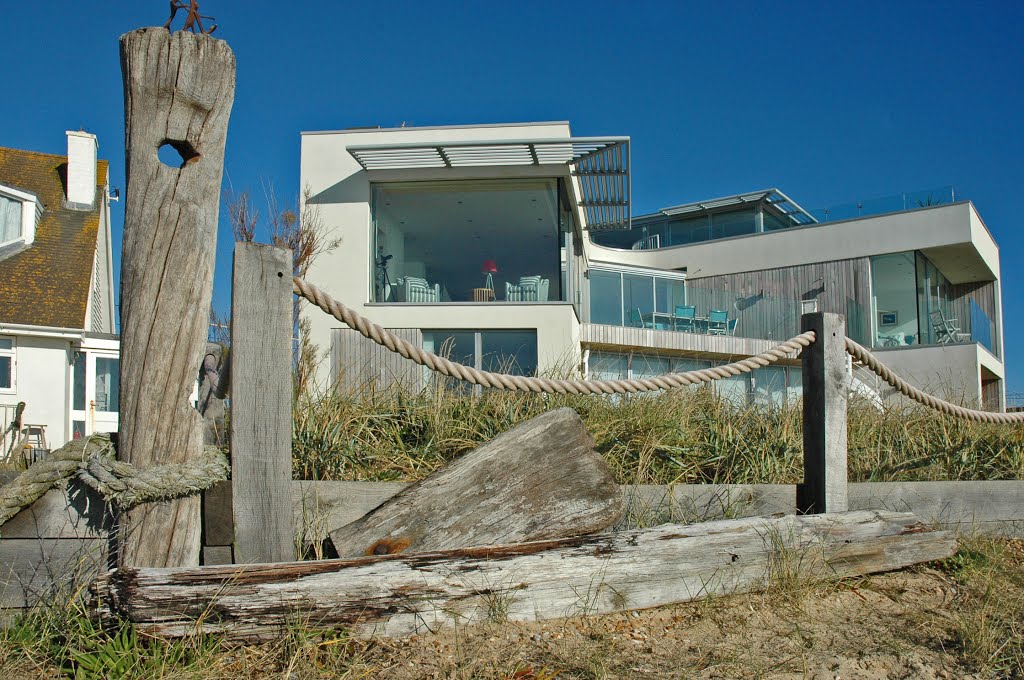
point(831, 103)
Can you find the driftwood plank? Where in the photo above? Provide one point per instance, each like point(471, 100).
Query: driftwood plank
point(540, 480)
point(178, 91)
point(261, 403)
point(404, 594)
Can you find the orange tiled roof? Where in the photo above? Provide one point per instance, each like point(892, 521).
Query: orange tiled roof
point(48, 283)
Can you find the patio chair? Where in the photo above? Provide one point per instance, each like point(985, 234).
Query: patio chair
point(415, 289)
point(946, 330)
point(718, 322)
point(529, 289)
point(685, 318)
point(636, 318)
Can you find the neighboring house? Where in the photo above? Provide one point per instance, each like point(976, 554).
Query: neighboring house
point(58, 351)
point(511, 247)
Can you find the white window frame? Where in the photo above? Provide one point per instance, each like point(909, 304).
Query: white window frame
point(13, 354)
point(31, 211)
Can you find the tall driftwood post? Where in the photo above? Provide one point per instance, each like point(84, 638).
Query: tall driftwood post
point(261, 403)
point(178, 92)
point(826, 391)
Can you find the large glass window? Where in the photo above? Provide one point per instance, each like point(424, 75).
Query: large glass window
point(733, 223)
point(467, 241)
point(7, 364)
point(637, 299)
point(502, 351)
point(107, 384)
point(605, 297)
point(895, 300)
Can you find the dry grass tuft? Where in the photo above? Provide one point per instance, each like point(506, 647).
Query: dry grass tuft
point(683, 436)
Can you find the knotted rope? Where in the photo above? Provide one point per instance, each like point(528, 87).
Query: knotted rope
point(504, 381)
point(92, 460)
point(861, 354)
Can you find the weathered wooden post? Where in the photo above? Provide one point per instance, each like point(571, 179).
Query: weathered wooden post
point(178, 92)
point(826, 391)
point(261, 404)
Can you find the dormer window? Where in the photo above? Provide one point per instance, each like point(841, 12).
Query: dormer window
point(19, 213)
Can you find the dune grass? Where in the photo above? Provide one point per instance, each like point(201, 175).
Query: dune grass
point(683, 436)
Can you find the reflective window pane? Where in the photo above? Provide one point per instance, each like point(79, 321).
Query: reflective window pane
point(608, 366)
point(6, 373)
point(638, 300)
point(107, 377)
point(895, 300)
point(78, 383)
point(513, 352)
point(466, 241)
point(605, 297)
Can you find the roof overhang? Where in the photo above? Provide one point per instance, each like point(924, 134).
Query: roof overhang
point(600, 164)
point(780, 202)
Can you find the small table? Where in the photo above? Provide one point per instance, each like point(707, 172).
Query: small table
point(483, 295)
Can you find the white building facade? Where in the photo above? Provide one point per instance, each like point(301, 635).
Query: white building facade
point(512, 248)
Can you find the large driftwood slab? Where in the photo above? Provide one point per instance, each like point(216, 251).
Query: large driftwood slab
point(409, 593)
point(540, 480)
point(178, 91)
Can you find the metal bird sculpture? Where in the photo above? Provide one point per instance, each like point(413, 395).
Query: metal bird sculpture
point(193, 20)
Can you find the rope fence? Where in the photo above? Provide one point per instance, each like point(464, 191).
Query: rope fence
point(504, 381)
point(667, 381)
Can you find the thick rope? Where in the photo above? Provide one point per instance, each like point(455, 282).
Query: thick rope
point(861, 354)
point(522, 383)
point(92, 459)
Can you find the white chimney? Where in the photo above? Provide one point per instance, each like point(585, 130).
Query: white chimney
point(81, 170)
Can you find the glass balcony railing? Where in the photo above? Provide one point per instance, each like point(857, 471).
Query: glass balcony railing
point(886, 204)
point(632, 300)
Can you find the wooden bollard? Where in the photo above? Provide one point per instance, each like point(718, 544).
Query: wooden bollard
point(261, 404)
point(178, 91)
point(826, 392)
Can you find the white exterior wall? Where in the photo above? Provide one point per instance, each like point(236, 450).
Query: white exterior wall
point(951, 372)
point(42, 379)
point(924, 229)
point(341, 189)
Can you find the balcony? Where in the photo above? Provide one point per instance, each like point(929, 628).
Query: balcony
point(632, 298)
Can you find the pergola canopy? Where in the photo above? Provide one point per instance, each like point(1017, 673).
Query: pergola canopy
point(601, 165)
point(782, 204)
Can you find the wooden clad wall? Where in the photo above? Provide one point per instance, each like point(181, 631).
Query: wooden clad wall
point(841, 287)
point(984, 294)
point(358, 363)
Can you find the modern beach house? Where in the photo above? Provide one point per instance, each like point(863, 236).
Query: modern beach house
point(513, 247)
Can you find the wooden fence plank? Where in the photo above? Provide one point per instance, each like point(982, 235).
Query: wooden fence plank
point(33, 569)
point(261, 403)
point(69, 511)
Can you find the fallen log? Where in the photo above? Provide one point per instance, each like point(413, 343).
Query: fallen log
point(540, 480)
point(411, 593)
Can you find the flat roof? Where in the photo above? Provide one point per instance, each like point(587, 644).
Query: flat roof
point(600, 165)
point(411, 128)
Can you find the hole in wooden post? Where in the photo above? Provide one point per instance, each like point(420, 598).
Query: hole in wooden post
point(176, 153)
point(280, 275)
